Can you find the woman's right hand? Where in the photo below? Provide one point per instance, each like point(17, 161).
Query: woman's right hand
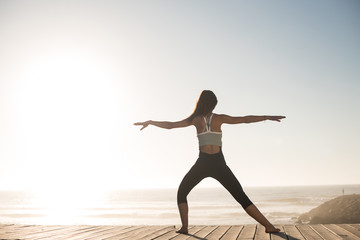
point(144, 124)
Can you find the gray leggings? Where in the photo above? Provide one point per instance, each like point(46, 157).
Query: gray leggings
point(212, 165)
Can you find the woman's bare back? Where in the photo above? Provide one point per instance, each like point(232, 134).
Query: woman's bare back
point(199, 123)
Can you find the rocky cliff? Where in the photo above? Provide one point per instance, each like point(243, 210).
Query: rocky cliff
point(344, 209)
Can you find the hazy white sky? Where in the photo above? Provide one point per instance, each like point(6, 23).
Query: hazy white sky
point(75, 75)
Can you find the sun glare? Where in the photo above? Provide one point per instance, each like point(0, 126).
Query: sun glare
point(68, 111)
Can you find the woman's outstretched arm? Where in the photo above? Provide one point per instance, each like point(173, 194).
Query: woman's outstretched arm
point(248, 119)
point(164, 124)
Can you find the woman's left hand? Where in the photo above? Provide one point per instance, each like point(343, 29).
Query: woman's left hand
point(144, 124)
point(275, 118)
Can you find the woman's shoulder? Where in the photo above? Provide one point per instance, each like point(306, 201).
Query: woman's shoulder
point(218, 118)
point(218, 115)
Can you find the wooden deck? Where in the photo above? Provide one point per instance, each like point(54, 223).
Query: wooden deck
point(290, 232)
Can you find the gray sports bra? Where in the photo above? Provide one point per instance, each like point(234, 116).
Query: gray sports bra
point(208, 137)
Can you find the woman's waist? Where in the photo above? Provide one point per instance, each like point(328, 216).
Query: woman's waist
point(210, 149)
point(210, 152)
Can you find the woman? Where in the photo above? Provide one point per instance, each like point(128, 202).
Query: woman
point(211, 161)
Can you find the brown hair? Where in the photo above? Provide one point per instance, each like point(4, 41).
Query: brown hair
point(205, 104)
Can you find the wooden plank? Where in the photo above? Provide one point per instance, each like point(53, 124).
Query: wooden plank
point(107, 233)
point(54, 234)
point(36, 231)
point(192, 232)
point(203, 233)
point(218, 233)
point(353, 230)
point(248, 232)
point(74, 234)
point(81, 231)
point(104, 231)
point(308, 232)
point(139, 230)
point(158, 233)
point(145, 231)
point(76, 229)
point(357, 226)
point(293, 233)
point(260, 233)
point(171, 234)
point(8, 228)
point(344, 234)
point(16, 230)
point(232, 233)
point(324, 232)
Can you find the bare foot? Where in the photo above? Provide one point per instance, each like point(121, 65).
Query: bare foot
point(271, 229)
point(182, 230)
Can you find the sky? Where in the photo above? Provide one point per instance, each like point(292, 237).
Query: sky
point(76, 75)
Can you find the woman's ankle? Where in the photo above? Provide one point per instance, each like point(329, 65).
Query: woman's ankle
point(183, 230)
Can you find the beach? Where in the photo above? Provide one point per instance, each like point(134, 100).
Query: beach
point(208, 206)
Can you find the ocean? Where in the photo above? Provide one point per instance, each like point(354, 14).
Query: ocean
point(209, 206)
